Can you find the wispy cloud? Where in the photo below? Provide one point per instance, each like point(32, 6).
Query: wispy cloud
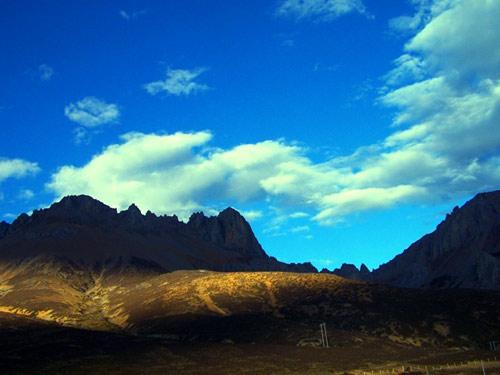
point(9, 215)
point(90, 113)
point(46, 72)
point(300, 229)
point(320, 10)
point(318, 67)
point(25, 194)
point(16, 168)
point(124, 15)
point(288, 43)
point(128, 16)
point(298, 215)
point(179, 82)
point(251, 214)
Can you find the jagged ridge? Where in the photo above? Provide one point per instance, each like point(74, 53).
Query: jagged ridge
point(84, 230)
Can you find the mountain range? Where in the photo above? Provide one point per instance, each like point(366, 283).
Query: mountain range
point(87, 232)
point(463, 251)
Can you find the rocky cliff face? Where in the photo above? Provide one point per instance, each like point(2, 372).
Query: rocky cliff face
point(463, 251)
point(230, 230)
point(86, 231)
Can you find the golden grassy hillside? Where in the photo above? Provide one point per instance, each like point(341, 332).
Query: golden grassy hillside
point(244, 306)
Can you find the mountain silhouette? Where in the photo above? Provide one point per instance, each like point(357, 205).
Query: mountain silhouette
point(87, 232)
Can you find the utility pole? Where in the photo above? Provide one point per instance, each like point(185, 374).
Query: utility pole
point(324, 336)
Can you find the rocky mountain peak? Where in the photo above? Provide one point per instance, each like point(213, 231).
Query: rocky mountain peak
point(229, 229)
point(364, 269)
point(80, 203)
point(134, 210)
point(132, 216)
point(76, 209)
point(230, 214)
point(197, 219)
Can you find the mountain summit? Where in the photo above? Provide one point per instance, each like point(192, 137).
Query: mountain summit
point(85, 231)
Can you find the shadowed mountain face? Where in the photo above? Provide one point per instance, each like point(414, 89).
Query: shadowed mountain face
point(86, 232)
point(463, 251)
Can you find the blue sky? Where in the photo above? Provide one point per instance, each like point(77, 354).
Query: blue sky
point(343, 129)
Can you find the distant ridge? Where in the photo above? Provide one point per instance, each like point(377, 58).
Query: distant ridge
point(85, 231)
point(350, 271)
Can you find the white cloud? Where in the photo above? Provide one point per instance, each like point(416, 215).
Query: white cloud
point(178, 82)
point(454, 46)
point(46, 72)
point(353, 200)
point(179, 173)
point(175, 173)
point(91, 112)
point(322, 10)
point(17, 168)
point(408, 68)
point(450, 113)
point(425, 11)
